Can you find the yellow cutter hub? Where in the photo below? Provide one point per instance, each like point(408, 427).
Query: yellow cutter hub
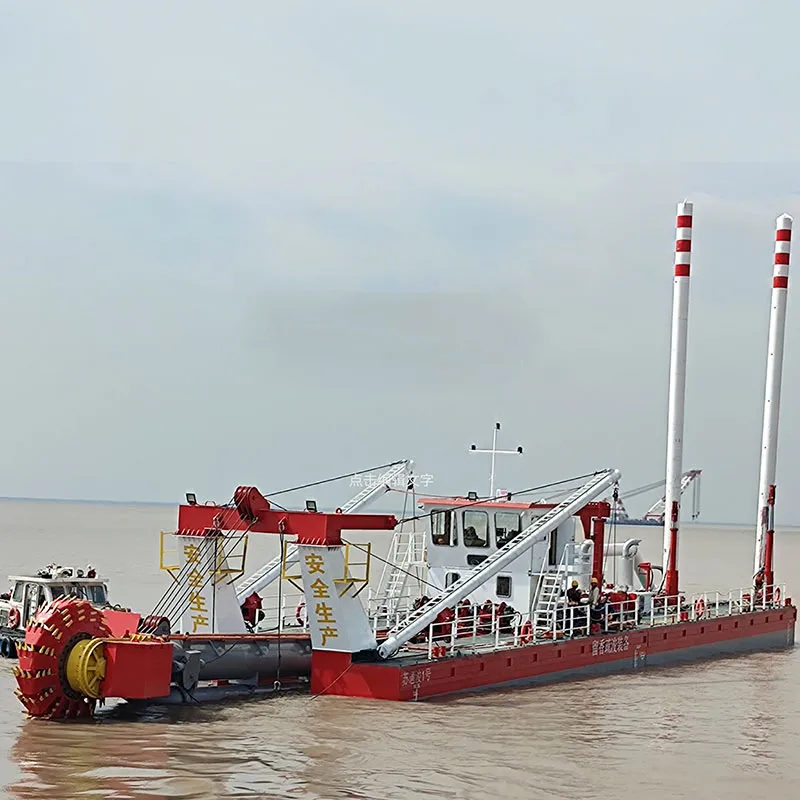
point(86, 667)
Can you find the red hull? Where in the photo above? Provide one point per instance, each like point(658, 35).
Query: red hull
point(418, 679)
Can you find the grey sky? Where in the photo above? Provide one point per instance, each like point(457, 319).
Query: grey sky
point(288, 240)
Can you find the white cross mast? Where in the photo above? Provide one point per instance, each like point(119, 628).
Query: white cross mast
point(495, 452)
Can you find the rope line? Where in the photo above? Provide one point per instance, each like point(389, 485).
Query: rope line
point(166, 599)
point(333, 480)
point(178, 596)
point(480, 500)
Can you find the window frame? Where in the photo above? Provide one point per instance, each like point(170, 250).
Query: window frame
point(454, 575)
point(447, 515)
point(488, 539)
point(516, 514)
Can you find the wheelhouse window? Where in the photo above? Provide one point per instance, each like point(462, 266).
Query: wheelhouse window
point(451, 578)
point(57, 591)
point(96, 594)
point(19, 588)
point(507, 525)
point(476, 528)
point(503, 586)
point(443, 528)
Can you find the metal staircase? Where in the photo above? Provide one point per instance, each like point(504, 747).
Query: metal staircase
point(405, 562)
point(537, 532)
point(264, 576)
point(549, 590)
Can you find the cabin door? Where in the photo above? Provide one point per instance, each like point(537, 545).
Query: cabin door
point(552, 550)
point(32, 598)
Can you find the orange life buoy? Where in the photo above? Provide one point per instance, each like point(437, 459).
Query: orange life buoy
point(298, 615)
point(526, 632)
point(13, 617)
point(699, 608)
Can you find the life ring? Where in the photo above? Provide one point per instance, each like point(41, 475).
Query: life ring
point(776, 595)
point(526, 632)
point(699, 608)
point(13, 617)
point(298, 615)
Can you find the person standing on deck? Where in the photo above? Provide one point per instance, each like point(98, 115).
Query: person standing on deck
point(574, 594)
point(594, 593)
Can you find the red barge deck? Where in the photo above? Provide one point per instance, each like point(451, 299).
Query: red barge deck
point(413, 677)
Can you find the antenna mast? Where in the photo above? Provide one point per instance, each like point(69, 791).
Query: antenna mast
point(495, 452)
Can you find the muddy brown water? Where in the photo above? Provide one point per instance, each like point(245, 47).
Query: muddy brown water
point(724, 729)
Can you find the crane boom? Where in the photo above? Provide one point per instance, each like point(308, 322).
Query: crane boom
point(657, 510)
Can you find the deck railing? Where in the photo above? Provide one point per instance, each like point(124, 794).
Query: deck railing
point(474, 629)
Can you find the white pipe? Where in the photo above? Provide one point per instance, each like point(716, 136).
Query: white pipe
point(629, 553)
point(637, 561)
point(677, 393)
point(772, 391)
point(624, 550)
point(631, 548)
point(585, 562)
point(537, 532)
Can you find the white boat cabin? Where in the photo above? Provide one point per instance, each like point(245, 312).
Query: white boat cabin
point(463, 533)
point(28, 593)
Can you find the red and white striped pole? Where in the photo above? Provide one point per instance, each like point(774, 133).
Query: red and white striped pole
point(765, 531)
point(677, 394)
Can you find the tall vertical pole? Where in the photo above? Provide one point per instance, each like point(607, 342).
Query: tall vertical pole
point(765, 531)
point(494, 454)
point(677, 394)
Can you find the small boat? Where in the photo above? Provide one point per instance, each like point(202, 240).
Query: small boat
point(29, 593)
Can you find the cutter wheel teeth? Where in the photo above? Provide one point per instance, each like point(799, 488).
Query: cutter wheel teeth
point(43, 688)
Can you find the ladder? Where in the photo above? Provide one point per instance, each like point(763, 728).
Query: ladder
point(264, 576)
point(537, 532)
point(548, 593)
point(406, 557)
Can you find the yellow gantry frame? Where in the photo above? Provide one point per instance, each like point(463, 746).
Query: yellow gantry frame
point(220, 573)
point(343, 584)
